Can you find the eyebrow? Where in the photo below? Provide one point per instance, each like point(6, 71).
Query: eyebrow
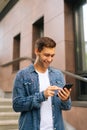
point(49, 54)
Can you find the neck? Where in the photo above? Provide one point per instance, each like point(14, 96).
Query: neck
point(39, 68)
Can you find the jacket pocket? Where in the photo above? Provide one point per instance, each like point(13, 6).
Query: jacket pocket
point(29, 87)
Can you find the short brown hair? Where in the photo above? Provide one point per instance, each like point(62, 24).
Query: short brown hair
point(44, 42)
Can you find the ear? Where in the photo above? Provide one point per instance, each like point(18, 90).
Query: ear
point(36, 51)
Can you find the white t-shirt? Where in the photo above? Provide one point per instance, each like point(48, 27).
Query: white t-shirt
point(46, 122)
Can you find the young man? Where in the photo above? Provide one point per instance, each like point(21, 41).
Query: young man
point(35, 88)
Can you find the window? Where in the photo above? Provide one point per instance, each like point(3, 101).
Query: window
point(81, 48)
point(16, 52)
point(38, 31)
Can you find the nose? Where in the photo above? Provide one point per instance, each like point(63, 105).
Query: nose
point(50, 58)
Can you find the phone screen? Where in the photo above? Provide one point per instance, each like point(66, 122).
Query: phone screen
point(68, 85)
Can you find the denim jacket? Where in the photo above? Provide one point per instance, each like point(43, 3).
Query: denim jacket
point(27, 99)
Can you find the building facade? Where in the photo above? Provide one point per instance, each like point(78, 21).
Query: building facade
point(65, 22)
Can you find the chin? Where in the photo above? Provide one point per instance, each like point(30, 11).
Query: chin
point(46, 66)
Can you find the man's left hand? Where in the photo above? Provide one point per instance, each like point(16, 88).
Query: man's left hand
point(64, 94)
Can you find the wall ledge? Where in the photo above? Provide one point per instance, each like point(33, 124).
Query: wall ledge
point(79, 104)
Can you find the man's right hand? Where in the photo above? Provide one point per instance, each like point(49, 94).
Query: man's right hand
point(50, 91)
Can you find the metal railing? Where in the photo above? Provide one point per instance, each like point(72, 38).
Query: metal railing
point(16, 60)
point(32, 60)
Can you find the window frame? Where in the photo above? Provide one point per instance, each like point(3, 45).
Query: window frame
point(37, 32)
point(79, 50)
point(16, 52)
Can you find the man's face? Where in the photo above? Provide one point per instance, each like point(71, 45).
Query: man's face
point(45, 57)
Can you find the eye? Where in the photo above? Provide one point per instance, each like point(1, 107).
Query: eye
point(52, 55)
point(49, 55)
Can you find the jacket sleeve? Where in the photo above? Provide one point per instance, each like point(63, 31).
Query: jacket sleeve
point(23, 102)
point(66, 105)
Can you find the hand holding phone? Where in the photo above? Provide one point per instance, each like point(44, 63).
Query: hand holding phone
point(68, 86)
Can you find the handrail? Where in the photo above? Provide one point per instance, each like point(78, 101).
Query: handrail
point(16, 60)
point(32, 60)
point(75, 76)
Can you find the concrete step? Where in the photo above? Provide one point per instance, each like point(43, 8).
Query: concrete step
point(6, 109)
point(8, 118)
point(5, 101)
point(9, 115)
point(9, 124)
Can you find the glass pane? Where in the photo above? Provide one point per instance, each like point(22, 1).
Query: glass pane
point(84, 43)
point(83, 88)
point(85, 21)
point(81, 48)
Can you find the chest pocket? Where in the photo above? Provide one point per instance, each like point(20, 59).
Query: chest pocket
point(29, 87)
point(57, 83)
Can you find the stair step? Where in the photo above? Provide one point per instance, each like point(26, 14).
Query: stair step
point(8, 124)
point(8, 115)
point(5, 101)
point(6, 108)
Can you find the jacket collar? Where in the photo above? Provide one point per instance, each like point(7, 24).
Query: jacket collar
point(32, 69)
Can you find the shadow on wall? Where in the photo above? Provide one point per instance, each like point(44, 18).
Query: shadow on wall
point(68, 126)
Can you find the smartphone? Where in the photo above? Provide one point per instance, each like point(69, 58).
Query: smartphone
point(68, 86)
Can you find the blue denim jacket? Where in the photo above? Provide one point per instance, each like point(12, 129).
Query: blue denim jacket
point(27, 99)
